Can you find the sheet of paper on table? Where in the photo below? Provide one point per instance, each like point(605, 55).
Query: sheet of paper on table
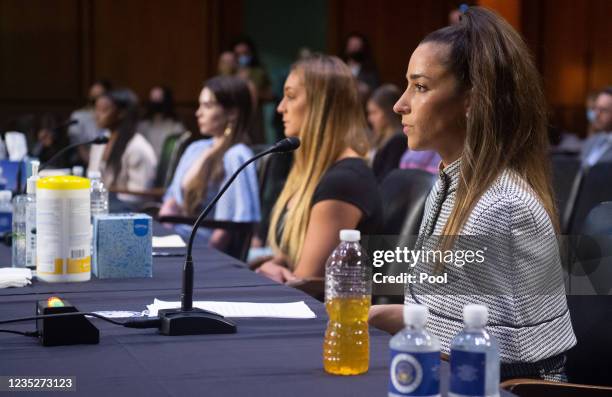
point(295, 310)
point(171, 241)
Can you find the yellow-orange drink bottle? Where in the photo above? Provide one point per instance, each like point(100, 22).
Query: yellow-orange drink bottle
point(346, 348)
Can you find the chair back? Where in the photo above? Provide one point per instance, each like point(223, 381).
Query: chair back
point(565, 170)
point(594, 186)
point(240, 232)
point(590, 300)
point(403, 192)
point(272, 172)
point(165, 158)
point(403, 195)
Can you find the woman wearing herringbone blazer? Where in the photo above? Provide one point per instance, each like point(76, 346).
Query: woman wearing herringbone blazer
point(474, 96)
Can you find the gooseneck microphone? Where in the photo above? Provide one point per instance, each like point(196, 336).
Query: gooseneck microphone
point(193, 321)
point(99, 140)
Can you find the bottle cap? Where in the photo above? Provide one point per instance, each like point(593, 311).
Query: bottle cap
point(6, 195)
point(415, 315)
point(94, 174)
point(350, 235)
point(31, 183)
point(77, 170)
point(475, 316)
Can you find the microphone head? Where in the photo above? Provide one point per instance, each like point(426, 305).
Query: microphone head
point(286, 145)
point(100, 140)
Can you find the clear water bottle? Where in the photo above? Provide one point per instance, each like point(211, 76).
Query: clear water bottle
point(474, 357)
point(3, 181)
point(6, 211)
point(30, 216)
point(415, 357)
point(99, 194)
point(18, 245)
point(348, 290)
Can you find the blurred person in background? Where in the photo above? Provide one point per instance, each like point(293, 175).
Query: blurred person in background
point(127, 162)
point(358, 56)
point(160, 119)
point(224, 114)
point(50, 140)
point(589, 106)
point(598, 147)
point(86, 129)
point(387, 140)
point(227, 64)
point(251, 69)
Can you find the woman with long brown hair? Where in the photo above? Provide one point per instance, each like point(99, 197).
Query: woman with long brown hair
point(330, 186)
point(475, 97)
point(224, 114)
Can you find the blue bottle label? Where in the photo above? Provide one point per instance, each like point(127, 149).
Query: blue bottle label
point(141, 227)
point(467, 373)
point(6, 222)
point(414, 374)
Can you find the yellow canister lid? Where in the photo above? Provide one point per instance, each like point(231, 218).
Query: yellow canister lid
point(63, 182)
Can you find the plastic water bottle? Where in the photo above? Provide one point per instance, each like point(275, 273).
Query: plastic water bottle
point(348, 289)
point(18, 246)
point(30, 216)
point(474, 357)
point(6, 211)
point(415, 357)
point(3, 181)
point(99, 194)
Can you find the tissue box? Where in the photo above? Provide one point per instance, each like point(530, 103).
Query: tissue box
point(122, 246)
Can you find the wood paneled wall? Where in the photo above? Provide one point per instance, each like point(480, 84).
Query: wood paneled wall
point(51, 50)
point(571, 41)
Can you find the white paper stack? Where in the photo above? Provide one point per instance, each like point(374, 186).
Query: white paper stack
point(15, 277)
point(295, 310)
point(171, 241)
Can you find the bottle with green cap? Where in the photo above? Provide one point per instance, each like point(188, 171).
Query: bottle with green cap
point(348, 290)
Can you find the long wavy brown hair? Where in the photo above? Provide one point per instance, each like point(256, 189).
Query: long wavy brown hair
point(506, 127)
point(334, 121)
point(231, 93)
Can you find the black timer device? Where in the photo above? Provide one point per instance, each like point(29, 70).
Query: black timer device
point(68, 330)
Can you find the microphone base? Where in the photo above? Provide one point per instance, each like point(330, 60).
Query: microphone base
point(176, 322)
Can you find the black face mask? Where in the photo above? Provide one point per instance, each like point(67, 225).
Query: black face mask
point(155, 107)
point(357, 56)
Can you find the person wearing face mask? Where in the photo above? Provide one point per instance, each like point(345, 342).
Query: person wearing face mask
point(251, 69)
point(86, 129)
point(358, 56)
point(330, 187)
point(127, 162)
point(224, 114)
point(598, 147)
point(474, 96)
point(160, 119)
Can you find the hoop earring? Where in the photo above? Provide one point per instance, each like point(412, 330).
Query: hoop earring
point(228, 130)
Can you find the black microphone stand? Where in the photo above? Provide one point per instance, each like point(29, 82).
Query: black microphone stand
point(98, 140)
point(193, 321)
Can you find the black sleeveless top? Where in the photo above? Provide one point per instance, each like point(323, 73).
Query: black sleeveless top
point(352, 181)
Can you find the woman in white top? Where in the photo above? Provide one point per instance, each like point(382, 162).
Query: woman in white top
point(128, 161)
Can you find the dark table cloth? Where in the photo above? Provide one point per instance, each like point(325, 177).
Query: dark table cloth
point(267, 357)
